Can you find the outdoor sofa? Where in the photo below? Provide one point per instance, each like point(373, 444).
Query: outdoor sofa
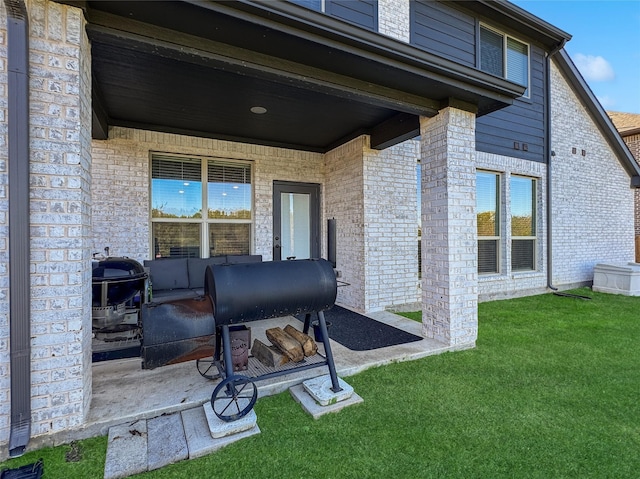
point(183, 278)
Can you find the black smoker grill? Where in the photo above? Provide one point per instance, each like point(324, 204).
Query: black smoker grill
point(237, 294)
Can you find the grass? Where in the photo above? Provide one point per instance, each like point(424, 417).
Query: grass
point(550, 391)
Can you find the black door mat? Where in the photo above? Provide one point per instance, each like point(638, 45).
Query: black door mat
point(360, 333)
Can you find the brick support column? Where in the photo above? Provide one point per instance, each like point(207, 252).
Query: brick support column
point(449, 248)
point(60, 101)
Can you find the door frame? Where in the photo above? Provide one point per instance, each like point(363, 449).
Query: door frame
point(313, 190)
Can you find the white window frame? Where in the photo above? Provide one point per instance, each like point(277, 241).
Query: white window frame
point(505, 63)
point(534, 237)
point(204, 221)
point(499, 221)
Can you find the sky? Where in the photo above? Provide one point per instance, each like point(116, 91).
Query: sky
point(605, 45)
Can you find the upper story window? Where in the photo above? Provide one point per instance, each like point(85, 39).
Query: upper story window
point(504, 56)
point(200, 207)
point(361, 12)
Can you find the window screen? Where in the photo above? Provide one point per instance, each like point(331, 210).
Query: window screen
point(491, 53)
point(517, 62)
point(229, 238)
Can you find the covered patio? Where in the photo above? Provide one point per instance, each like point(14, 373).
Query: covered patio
point(296, 97)
point(144, 394)
point(316, 100)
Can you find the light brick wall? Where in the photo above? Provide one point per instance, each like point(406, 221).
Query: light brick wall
point(76, 27)
point(592, 200)
point(121, 185)
point(394, 19)
point(120, 173)
point(344, 201)
point(60, 119)
point(509, 283)
point(390, 226)
point(449, 231)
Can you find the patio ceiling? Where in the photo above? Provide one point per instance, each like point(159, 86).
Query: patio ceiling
point(197, 68)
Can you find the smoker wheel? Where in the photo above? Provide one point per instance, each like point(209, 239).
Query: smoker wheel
point(234, 397)
point(207, 368)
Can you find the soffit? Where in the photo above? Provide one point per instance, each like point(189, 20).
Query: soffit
point(198, 67)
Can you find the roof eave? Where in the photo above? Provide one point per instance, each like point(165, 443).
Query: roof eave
point(510, 14)
point(630, 132)
point(315, 26)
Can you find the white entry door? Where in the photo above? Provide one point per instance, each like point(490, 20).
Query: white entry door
point(295, 221)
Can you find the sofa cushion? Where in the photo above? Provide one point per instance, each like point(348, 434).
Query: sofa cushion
point(168, 273)
point(197, 267)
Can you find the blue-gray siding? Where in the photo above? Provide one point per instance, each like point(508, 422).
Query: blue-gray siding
point(360, 12)
point(522, 123)
point(312, 4)
point(445, 29)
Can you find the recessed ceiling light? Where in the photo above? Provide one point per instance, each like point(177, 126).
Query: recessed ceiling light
point(258, 110)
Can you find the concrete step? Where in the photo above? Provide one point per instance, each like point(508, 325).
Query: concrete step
point(145, 445)
point(149, 444)
point(126, 450)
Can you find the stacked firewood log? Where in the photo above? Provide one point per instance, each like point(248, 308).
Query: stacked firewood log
point(287, 344)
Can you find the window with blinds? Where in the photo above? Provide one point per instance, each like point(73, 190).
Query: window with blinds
point(504, 56)
point(200, 207)
point(491, 52)
point(229, 191)
point(488, 219)
point(523, 223)
point(518, 63)
point(176, 188)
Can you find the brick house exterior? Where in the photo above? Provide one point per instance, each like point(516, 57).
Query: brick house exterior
point(628, 125)
point(89, 191)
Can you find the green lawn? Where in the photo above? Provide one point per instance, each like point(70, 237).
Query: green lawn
point(552, 390)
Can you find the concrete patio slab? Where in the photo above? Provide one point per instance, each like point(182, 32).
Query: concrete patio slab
point(166, 441)
point(122, 391)
point(127, 450)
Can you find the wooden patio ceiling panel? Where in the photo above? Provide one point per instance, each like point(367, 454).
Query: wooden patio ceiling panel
point(162, 94)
